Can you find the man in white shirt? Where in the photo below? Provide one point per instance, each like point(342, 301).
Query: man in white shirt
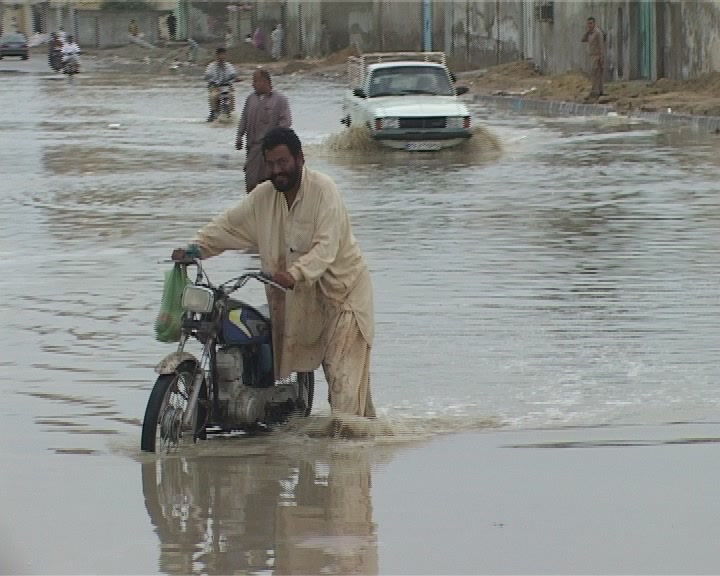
point(70, 49)
point(276, 38)
point(218, 73)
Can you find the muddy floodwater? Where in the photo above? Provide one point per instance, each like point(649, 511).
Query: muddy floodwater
point(545, 367)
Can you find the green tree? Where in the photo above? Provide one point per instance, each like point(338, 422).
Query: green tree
point(126, 5)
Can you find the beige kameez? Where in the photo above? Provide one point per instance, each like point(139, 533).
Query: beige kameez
point(261, 113)
point(328, 318)
point(596, 54)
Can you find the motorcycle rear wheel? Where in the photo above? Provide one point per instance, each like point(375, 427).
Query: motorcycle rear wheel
point(162, 426)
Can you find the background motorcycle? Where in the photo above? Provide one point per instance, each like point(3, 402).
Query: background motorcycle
point(232, 385)
point(71, 66)
point(225, 102)
point(55, 59)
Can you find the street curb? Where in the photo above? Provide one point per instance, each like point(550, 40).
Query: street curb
point(558, 108)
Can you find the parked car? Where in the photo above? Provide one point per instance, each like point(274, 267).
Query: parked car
point(14, 44)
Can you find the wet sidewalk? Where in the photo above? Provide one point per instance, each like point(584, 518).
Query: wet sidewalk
point(559, 108)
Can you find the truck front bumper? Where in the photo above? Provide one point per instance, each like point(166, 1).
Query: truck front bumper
point(424, 135)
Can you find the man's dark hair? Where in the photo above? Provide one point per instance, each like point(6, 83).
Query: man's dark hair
point(220, 50)
point(591, 19)
point(279, 136)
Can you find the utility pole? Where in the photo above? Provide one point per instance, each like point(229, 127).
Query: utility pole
point(497, 31)
point(183, 20)
point(427, 17)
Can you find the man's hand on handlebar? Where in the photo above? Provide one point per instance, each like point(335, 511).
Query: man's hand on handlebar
point(185, 255)
point(285, 280)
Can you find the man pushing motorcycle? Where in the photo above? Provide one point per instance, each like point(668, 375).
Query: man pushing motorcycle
point(217, 74)
point(298, 223)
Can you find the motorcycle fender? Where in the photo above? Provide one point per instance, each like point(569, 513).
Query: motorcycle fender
point(168, 364)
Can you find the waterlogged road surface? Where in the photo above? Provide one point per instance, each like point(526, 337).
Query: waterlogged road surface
point(569, 281)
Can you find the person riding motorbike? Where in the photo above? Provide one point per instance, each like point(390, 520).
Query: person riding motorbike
point(219, 73)
point(55, 47)
point(70, 52)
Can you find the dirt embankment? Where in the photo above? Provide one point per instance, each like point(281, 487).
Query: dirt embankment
point(178, 58)
point(699, 96)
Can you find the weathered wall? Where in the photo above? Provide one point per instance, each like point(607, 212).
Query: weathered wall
point(106, 29)
point(684, 41)
point(691, 40)
point(303, 28)
point(399, 25)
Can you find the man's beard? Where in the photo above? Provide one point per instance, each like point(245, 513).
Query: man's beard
point(285, 181)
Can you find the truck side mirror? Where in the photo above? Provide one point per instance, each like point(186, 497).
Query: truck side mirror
point(359, 93)
point(460, 90)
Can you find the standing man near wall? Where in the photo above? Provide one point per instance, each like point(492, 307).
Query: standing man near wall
point(264, 110)
point(595, 39)
point(172, 25)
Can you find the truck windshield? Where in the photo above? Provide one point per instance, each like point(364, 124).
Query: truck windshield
point(401, 80)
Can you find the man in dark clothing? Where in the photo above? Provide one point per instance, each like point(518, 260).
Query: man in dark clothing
point(172, 25)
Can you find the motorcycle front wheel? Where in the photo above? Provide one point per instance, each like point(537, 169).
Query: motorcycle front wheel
point(162, 426)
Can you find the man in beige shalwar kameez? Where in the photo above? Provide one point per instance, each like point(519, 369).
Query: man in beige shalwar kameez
point(264, 110)
point(298, 223)
point(596, 53)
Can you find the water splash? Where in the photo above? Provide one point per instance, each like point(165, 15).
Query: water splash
point(484, 145)
point(384, 429)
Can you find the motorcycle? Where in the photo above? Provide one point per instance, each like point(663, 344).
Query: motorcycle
point(71, 66)
point(225, 106)
point(225, 101)
point(231, 386)
point(55, 59)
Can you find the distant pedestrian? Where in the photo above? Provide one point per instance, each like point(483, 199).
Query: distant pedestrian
point(596, 51)
point(172, 25)
point(264, 110)
point(324, 39)
point(259, 39)
point(133, 28)
point(276, 40)
point(193, 49)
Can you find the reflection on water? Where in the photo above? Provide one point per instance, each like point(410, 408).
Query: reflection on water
point(307, 512)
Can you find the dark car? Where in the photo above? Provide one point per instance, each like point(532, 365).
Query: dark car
point(14, 44)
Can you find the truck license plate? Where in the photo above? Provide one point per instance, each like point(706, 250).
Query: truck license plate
point(422, 146)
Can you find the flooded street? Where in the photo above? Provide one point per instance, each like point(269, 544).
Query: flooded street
point(563, 293)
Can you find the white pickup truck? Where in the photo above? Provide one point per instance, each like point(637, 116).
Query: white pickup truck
point(407, 100)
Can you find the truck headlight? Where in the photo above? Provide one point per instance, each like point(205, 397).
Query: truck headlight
point(458, 122)
point(198, 299)
point(387, 122)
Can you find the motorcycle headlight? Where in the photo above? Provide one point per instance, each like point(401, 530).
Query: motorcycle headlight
point(198, 299)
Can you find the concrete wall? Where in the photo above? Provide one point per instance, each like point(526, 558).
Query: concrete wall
point(684, 42)
point(302, 27)
point(106, 29)
point(690, 38)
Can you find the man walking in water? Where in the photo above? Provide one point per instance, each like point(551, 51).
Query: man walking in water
point(596, 51)
point(298, 223)
point(264, 110)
